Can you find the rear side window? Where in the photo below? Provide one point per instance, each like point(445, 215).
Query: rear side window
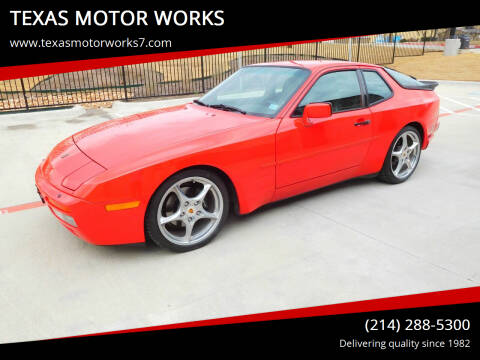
point(377, 89)
point(403, 80)
point(341, 89)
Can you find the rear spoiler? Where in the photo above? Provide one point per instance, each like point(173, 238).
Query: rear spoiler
point(425, 85)
point(429, 85)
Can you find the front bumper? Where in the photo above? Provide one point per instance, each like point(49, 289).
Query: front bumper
point(94, 223)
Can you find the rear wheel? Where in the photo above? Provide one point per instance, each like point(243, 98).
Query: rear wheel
point(402, 157)
point(187, 210)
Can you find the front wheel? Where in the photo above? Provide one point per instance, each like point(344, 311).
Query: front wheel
point(187, 210)
point(402, 157)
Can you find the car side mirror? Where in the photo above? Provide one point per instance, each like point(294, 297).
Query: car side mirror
point(315, 111)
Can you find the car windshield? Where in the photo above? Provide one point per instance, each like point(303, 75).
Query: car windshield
point(256, 90)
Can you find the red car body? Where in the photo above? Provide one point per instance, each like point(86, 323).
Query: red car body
point(124, 161)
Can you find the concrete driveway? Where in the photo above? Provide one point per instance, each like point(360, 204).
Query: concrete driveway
point(361, 239)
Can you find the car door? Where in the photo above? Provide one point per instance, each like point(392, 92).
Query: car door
point(331, 144)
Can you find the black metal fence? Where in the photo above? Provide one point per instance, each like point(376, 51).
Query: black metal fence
point(193, 75)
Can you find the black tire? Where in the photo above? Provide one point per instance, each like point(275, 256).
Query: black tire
point(386, 174)
point(152, 227)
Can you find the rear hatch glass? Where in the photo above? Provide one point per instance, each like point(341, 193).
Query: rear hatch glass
point(409, 82)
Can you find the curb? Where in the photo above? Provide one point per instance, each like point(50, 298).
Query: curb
point(27, 117)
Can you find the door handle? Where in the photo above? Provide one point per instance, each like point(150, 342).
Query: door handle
point(362, 122)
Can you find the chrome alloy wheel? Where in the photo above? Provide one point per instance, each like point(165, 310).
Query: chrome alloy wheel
point(190, 210)
point(405, 154)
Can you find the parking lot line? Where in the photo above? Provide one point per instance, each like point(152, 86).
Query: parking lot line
point(460, 103)
point(450, 112)
point(446, 110)
point(21, 207)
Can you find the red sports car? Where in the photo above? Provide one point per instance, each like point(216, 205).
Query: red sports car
point(268, 132)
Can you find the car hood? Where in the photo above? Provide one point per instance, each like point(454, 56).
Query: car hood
point(127, 139)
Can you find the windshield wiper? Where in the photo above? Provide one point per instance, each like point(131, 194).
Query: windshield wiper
point(227, 108)
point(220, 106)
point(199, 103)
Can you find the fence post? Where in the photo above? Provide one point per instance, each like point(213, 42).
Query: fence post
point(394, 46)
point(124, 83)
point(358, 49)
point(203, 74)
point(424, 41)
point(349, 49)
point(265, 55)
point(24, 93)
point(316, 50)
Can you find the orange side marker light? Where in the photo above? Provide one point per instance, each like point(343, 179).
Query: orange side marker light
point(122, 206)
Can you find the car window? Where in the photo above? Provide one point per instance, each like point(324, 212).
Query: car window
point(404, 80)
point(377, 89)
point(340, 88)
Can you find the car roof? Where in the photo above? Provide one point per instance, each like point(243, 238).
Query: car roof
point(314, 64)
